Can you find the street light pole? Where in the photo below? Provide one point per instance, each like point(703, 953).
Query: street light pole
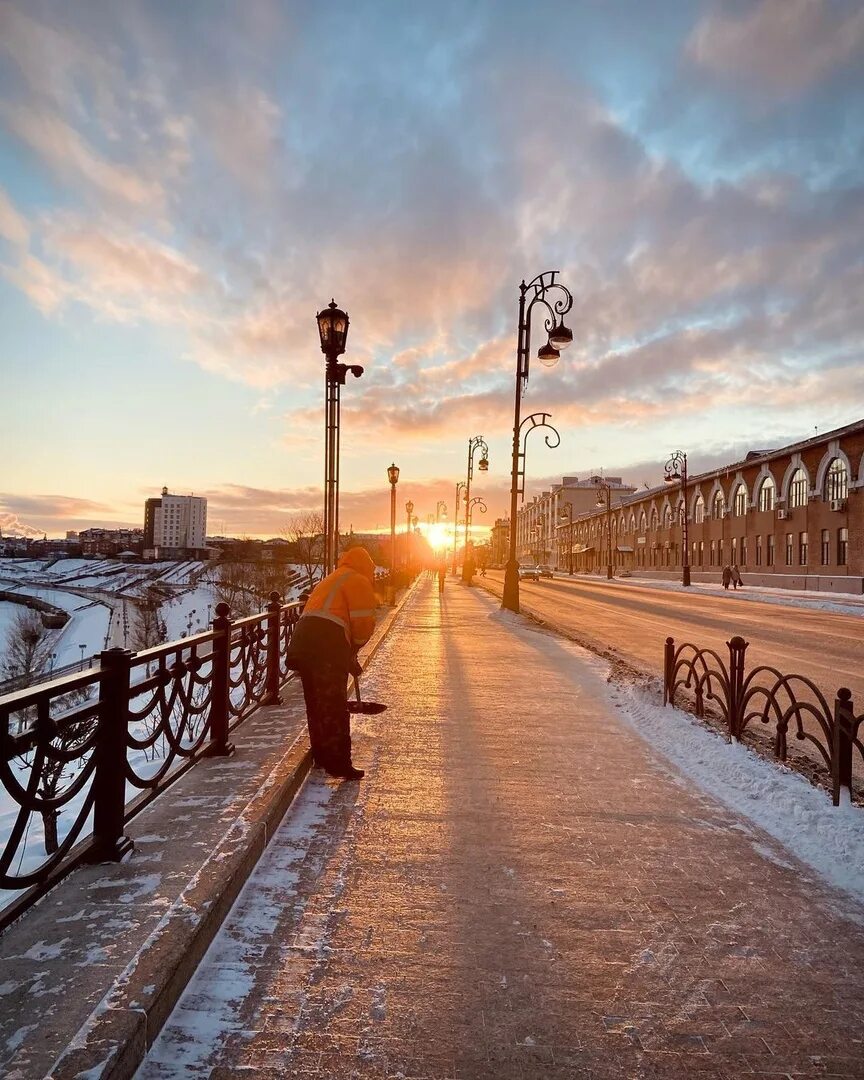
point(476, 501)
point(676, 469)
point(440, 510)
point(393, 479)
point(559, 337)
point(566, 512)
point(409, 510)
point(483, 466)
point(460, 488)
point(604, 498)
point(333, 331)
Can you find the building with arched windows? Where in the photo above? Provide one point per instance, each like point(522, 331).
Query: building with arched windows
point(792, 518)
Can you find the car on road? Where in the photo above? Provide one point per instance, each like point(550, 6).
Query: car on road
point(529, 573)
point(545, 571)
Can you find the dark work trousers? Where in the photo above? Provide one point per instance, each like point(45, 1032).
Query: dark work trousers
point(326, 692)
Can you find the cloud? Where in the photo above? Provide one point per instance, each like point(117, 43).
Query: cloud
point(68, 154)
point(13, 226)
point(778, 47)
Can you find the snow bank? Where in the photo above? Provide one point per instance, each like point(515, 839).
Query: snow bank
point(788, 807)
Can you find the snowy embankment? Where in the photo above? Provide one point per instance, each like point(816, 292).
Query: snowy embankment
point(780, 801)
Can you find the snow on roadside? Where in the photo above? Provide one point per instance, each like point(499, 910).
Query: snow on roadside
point(788, 807)
point(838, 603)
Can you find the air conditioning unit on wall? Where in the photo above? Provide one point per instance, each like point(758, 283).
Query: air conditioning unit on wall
point(781, 515)
point(838, 504)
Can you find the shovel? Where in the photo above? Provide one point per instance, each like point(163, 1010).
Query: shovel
point(365, 708)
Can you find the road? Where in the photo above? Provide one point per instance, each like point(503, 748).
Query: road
point(633, 621)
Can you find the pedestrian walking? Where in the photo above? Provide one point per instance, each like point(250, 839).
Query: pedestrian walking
point(736, 576)
point(338, 618)
point(442, 575)
point(727, 576)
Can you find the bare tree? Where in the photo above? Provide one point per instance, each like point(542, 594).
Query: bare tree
point(306, 534)
point(27, 647)
point(146, 627)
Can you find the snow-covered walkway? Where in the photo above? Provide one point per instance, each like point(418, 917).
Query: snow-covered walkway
point(521, 887)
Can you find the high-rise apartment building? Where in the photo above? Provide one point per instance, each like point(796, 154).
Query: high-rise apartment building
point(175, 523)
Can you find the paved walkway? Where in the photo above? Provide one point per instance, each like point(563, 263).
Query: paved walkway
point(517, 889)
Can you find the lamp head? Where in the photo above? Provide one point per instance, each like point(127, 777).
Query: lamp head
point(560, 337)
point(483, 466)
point(409, 507)
point(393, 474)
point(332, 329)
point(548, 355)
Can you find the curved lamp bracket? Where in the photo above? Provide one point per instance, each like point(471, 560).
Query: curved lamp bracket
point(553, 439)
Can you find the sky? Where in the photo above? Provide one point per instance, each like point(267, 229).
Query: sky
point(183, 187)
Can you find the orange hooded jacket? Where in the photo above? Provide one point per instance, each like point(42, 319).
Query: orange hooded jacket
point(346, 597)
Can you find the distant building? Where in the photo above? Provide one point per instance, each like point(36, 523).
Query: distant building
point(110, 541)
point(175, 526)
point(499, 543)
point(538, 521)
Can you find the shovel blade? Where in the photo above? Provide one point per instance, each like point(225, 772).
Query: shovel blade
point(366, 708)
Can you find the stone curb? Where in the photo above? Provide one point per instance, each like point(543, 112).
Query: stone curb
point(112, 1043)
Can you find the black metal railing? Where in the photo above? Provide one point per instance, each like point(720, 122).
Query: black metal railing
point(767, 696)
point(82, 754)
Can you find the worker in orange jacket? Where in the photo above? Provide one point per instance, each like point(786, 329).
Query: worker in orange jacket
point(338, 618)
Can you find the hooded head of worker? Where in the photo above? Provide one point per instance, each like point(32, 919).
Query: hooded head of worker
point(359, 559)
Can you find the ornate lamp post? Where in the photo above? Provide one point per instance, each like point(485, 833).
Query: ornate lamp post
point(477, 442)
point(409, 511)
point(676, 469)
point(469, 506)
point(393, 478)
point(559, 337)
point(333, 331)
point(566, 514)
point(604, 498)
point(440, 510)
point(460, 498)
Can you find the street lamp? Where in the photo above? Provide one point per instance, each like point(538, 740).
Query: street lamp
point(460, 498)
point(475, 443)
point(469, 506)
point(566, 514)
point(409, 510)
point(604, 498)
point(676, 469)
point(440, 510)
point(559, 337)
point(393, 479)
point(333, 331)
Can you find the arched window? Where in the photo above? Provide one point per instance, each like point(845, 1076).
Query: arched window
point(836, 480)
point(667, 516)
point(798, 489)
point(632, 523)
point(740, 503)
point(699, 509)
point(718, 505)
point(653, 517)
point(642, 522)
point(767, 494)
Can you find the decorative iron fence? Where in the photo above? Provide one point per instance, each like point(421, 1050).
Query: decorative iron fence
point(82, 754)
point(768, 696)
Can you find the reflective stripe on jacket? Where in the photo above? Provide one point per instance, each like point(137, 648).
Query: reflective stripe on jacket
point(346, 597)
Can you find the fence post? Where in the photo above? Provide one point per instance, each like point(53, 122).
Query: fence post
point(222, 624)
point(109, 778)
point(668, 664)
point(841, 750)
point(737, 649)
point(274, 618)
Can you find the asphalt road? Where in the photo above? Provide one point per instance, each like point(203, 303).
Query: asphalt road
point(634, 620)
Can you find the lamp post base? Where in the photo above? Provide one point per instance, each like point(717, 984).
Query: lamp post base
point(685, 576)
point(510, 598)
point(609, 573)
